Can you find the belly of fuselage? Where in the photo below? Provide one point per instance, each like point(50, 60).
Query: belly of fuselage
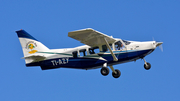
point(128, 56)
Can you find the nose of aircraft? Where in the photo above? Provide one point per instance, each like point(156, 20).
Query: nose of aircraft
point(158, 43)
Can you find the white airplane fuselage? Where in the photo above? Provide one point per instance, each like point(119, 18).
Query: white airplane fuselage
point(108, 52)
point(63, 57)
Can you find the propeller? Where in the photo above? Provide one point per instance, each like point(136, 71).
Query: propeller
point(159, 44)
point(161, 47)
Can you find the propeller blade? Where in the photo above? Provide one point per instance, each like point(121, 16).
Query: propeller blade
point(153, 38)
point(161, 47)
point(159, 44)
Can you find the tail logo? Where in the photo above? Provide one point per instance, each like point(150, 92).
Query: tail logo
point(30, 46)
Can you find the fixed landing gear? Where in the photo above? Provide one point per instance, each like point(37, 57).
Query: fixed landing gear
point(117, 74)
point(105, 71)
point(147, 65)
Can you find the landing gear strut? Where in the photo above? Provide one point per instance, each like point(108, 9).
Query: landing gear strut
point(116, 73)
point(147, 65)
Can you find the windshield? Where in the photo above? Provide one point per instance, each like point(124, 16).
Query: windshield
point(126, 42)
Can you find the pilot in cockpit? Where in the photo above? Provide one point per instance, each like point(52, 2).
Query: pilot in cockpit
point(119, 46)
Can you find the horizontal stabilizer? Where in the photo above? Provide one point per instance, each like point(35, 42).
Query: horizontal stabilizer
point(35, 58)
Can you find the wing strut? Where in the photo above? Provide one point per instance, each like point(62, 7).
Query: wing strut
point(107, 44)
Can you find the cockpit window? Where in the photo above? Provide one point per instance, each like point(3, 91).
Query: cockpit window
point(119, 45)
point(126, 42)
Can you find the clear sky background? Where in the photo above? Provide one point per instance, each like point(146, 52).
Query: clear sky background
point(50, 21)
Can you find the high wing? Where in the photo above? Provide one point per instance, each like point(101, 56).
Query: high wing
point(91, 37)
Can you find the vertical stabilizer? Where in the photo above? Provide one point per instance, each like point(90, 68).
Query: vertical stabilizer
point(29, 44)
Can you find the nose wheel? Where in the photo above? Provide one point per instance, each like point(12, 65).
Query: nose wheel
point(147, 65)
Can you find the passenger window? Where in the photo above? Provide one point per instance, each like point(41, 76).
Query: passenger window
point(104, 48)
point(93, 50)
point(82, 52)
point(75, 55)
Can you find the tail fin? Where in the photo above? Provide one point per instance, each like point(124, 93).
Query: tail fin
point(29, 44)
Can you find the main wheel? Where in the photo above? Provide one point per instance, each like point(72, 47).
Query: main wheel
point(104, 71)
point(148, 66)
point(117, 74)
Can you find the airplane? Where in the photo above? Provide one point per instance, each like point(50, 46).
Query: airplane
point(99, 51)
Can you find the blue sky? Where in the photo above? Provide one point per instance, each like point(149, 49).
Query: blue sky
point(50, 21)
